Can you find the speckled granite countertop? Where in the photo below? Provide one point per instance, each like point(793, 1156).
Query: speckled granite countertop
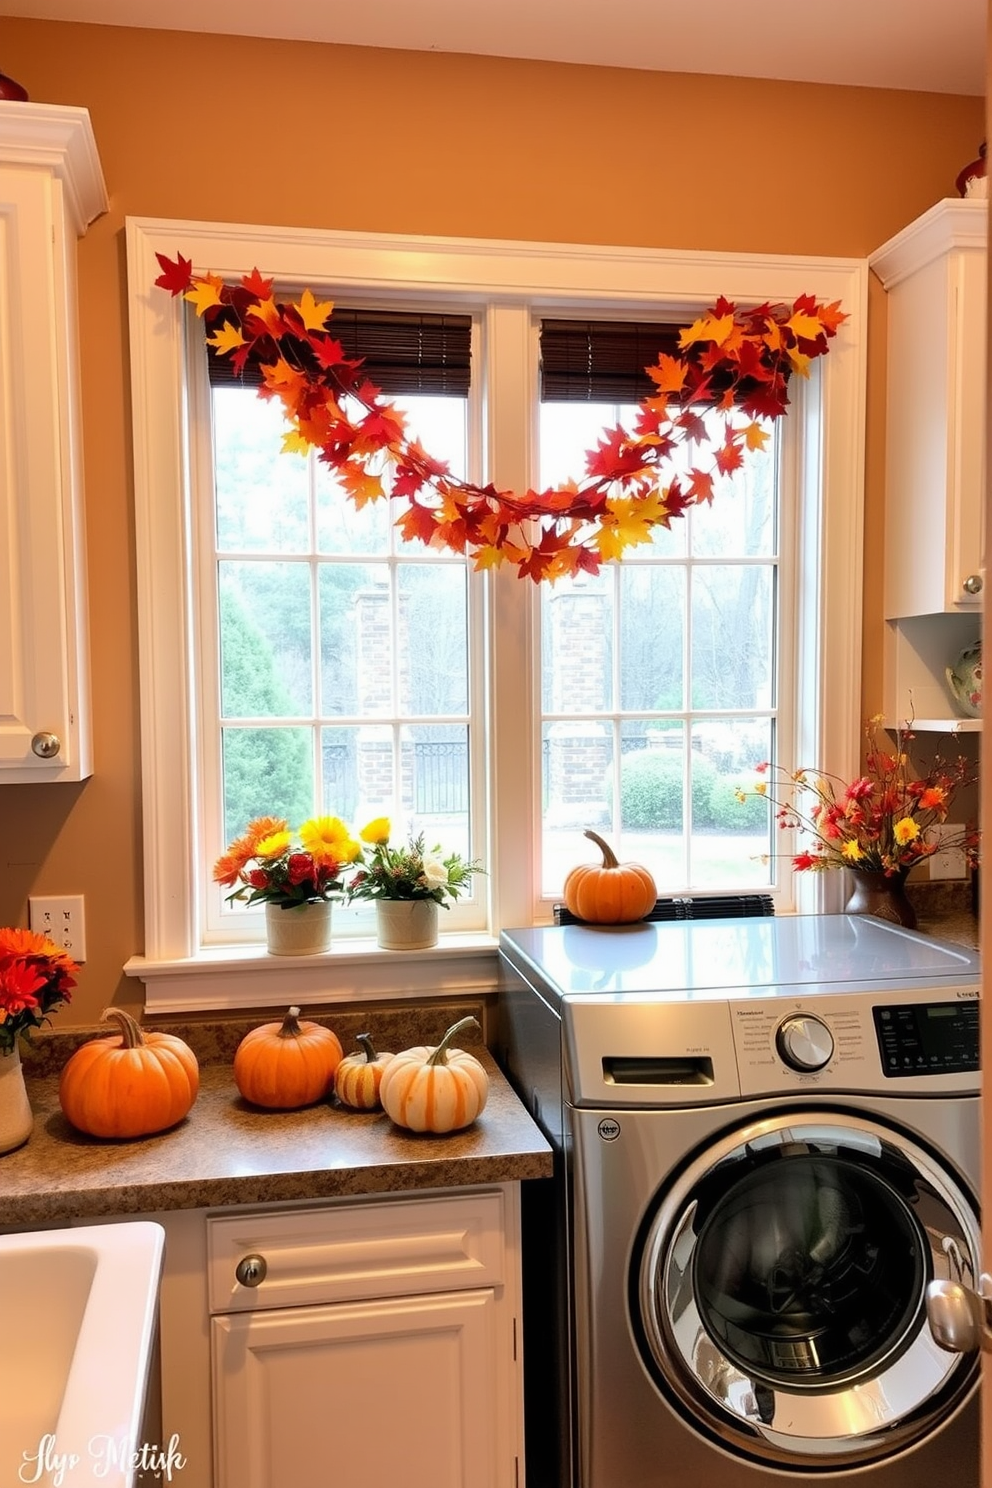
point(227, 1152)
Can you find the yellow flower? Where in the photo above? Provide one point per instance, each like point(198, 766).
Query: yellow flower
point(327, 837)
point(376, 831)
point(852, 851)
point(274, 845)
point(905, 830)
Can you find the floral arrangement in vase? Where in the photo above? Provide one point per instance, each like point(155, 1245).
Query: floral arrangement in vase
point(35, 978)
point(270, 864)
point(883, 821)
point(409, 872)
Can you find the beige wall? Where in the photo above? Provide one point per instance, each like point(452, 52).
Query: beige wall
point(371, 139)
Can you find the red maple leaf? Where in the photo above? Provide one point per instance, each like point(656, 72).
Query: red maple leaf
point(175, 277)
point(256, 285)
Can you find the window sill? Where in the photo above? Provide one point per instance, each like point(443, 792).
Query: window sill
point(351, 971)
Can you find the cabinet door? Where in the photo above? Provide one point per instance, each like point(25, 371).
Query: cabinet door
point(380, 1393)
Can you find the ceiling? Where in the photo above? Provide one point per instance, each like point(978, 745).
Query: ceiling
point(912, 44)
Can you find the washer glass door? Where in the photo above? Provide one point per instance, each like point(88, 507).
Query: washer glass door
point(781, 1287)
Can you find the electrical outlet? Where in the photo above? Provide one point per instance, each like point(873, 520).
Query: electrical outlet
point(947, 862)
point(62, 920)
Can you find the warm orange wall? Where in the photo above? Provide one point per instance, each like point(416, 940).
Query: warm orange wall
point(369, 139)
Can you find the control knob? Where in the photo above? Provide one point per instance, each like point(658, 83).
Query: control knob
point(805, 1043)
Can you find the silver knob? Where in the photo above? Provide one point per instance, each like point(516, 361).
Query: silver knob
point(46, 746)
point(958, 1318)
point(973, 584)
point(805, 1043)
point(251, 1270)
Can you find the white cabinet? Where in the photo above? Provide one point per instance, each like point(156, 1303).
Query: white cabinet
point(51, 188)
point(371, 1341)
point(934, 274)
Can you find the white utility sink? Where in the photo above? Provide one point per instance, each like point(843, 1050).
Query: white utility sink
point(78, 1316)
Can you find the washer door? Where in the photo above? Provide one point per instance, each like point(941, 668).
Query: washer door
point(780, 1286)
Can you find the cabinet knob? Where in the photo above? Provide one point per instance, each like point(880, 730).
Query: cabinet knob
point(46, 746)
point(973, 584)
point(251, 1270)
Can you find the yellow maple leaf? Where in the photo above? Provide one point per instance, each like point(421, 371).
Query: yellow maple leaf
point(806, 326)
point(205, 292)
point(487, 558)
point(800, 362)
point(295, 443)
point(226, 338)
point(707, 328)
point(313, 313)
point(755, 437)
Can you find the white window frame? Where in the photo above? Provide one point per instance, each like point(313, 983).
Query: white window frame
point(519, 278)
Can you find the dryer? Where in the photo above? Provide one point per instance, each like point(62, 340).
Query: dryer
point(767, 1135)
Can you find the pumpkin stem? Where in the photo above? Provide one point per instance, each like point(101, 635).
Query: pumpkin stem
point(365, 1039)
point(610, 859)
point(440, 1055)
point(290, 1027)
point(131, 1034)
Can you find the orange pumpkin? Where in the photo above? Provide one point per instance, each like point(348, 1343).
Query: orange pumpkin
point(609, 893)
point(435, 1089)
point(131, 1084)
point(287, 1065)
point(358, 1076)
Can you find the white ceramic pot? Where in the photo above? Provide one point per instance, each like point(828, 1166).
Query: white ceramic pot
point(304, 930)
point(16, 1119)
point(406, 924)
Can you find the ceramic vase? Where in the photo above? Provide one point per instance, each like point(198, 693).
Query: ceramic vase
point(406, 924)
point(304, 930)
point(16, 1119)
point(882, 895)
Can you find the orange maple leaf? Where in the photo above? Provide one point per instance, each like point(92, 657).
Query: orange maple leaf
point(707, 328)
point(755, 437)
point(669, 374)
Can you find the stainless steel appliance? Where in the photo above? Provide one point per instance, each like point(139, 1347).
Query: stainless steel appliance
point(767, 1136)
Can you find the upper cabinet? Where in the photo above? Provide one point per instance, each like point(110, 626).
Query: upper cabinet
point(51, 189)
point(934, 274)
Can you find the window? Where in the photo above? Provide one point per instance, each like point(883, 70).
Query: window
point(333, 667)
point(508, 289)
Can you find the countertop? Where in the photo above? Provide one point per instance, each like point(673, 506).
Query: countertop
point(227, 1152)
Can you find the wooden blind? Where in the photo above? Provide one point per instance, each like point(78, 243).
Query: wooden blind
point(601, 361)
point(402, 352)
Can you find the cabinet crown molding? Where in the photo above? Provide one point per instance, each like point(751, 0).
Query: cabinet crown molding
point(60, 139)
point(954, 223)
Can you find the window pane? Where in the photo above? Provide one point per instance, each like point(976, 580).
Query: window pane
point(261, 493)
point(578, 789)
point(339, 772)
point(577, 644)
point(730, 837)
point(433, 644)
point(356, 640)
point(267, 772)
point(741, 522)
point(266, 655)
point(435, 765)
point(732, 652)
point(344, 528)
point(652, 631)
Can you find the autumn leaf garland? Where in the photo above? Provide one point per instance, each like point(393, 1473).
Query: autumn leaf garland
point(732, 360)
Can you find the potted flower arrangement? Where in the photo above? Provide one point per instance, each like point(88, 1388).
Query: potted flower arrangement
point(295, 875)
point(35, 978)
point(406, 885)
point(879, 826)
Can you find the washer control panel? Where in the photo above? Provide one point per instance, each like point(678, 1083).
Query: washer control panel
point(925, 1039)
point(919, 1039)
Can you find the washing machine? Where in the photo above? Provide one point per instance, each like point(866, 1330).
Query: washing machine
point(767, 1146)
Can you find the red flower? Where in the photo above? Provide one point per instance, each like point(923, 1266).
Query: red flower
point(299, 867)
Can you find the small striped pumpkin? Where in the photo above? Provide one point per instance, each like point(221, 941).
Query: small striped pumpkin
point(358, 1076)
point(437, 1089)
